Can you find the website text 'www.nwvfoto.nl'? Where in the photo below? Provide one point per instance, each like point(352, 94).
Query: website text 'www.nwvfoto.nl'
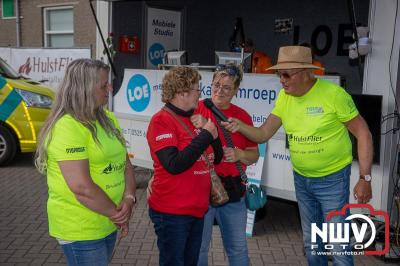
point(337, 253)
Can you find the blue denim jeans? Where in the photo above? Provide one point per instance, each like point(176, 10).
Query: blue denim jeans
point(178, 238)
point(90, 252)
point(232, 219)
point(316, 198)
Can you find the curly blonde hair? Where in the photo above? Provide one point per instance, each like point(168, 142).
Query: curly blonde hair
point(178, 80)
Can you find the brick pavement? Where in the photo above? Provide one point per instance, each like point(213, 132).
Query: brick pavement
point(25, 241)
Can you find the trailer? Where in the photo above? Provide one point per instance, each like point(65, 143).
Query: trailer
point(377, 74)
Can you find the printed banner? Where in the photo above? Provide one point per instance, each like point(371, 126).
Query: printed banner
point(163, 34)
point(41, 64)
point(140, 97)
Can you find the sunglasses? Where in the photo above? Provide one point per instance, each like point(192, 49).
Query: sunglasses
point(231, 70)
point(288, 75)
point(224, 88)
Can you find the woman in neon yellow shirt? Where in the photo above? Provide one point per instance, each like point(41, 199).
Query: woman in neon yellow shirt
point(90, 178)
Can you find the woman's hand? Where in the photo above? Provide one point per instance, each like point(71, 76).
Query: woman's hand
point(149, 189)
point(210, 127)
point(198, 120)
point(124, 211)
point(124, 230)
point(231, 155)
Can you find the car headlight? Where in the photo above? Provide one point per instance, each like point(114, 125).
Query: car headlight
point(32, 99)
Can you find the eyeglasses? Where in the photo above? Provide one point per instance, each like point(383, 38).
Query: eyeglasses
point(231, 70)
point(224, 88)
point(286, 75)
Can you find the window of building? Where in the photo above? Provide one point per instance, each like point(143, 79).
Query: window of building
point(59, 26)
point(7, 9)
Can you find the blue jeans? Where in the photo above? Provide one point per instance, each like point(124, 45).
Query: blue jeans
point(316, 198)
point(90, 252)
point(178, 238)
point(232, 219)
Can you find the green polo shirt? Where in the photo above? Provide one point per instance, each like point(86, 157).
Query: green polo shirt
point(68, 218)
point(319, 142)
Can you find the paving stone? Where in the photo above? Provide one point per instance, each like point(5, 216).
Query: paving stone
point(24, 235)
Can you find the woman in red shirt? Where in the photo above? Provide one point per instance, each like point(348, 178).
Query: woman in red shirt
point(180, 191)
point(232, 216)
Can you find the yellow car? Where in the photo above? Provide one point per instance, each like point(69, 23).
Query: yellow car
point(24, 106)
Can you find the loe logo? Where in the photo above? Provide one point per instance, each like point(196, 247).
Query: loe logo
point(138, 93)
point(335, 238)
point(156, 54)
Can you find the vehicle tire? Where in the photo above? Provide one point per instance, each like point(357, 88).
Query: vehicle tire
point(8, 146)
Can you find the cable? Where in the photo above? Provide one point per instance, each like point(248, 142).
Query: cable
point(398, 221)
point(394, 114)
point(386, 119)
point(394, 130)
point(394, 180)
point(395, 193)
point(355, 33)
point(390, 57)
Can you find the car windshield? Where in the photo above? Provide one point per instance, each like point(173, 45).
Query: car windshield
point(7, 71)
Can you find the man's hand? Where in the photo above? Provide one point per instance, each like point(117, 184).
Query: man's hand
point(362, 191)
point(198, 120)
point(233, 124)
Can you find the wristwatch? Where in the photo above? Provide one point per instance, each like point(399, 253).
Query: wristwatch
point(132, 197)
point(367, 178)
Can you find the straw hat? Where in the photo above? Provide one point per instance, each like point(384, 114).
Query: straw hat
point(290, 57)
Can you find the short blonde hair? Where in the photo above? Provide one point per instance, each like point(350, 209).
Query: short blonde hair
point(177, 80)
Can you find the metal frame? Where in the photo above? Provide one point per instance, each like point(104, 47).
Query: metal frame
point(46, 32)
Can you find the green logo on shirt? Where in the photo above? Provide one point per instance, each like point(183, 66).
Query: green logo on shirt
point(304, 139)
point(113, 167)
point(74, 150)
point(314, 110)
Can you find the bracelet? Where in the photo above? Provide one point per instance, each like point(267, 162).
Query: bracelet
point(130, 196)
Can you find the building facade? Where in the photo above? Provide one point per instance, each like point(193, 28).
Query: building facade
point(48, 23)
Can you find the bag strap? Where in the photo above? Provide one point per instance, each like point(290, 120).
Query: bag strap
point(230, 144)
point(165, 108)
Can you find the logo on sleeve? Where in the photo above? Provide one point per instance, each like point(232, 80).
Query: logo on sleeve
point(164, 136)
point(75, 150)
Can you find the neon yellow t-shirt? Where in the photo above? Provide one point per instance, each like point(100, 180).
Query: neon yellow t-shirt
point(69, 219)
point(319, 142)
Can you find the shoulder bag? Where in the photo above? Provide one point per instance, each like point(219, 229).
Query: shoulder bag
point(218, 195)
point(255, 195)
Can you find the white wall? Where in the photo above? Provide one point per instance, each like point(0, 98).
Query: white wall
point(102, 11)
point(383, 60)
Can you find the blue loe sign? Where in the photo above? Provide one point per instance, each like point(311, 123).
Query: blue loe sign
point(138, 92)
point(156, 54)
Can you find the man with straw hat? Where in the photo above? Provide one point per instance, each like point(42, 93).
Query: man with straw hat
point(316, 115)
